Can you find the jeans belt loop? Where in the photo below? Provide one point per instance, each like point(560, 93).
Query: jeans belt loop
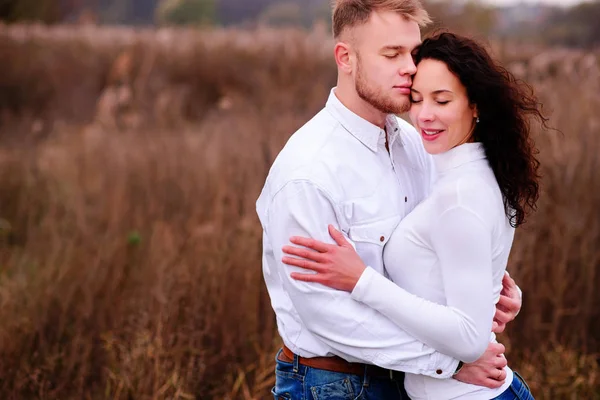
point(296, 363)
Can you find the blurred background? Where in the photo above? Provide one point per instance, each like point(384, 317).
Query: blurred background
point(553, 22)
point(135, 136)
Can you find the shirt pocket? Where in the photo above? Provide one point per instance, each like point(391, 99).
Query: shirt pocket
point(374, 232)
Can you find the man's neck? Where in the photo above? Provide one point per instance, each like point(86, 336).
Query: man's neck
point(352, 101)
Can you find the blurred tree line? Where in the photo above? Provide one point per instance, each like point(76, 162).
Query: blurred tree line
point(575, 26)
point(38, 10)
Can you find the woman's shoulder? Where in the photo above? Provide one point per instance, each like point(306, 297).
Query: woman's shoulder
point(474, 192)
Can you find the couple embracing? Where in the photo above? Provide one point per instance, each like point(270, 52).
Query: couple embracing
point(385, 244)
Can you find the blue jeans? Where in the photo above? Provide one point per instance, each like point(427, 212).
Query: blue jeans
point(518, 390)
point(298, 382)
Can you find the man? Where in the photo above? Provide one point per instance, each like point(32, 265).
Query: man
point(358, 167)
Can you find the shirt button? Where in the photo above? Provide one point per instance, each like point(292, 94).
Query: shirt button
point(439, 372)
point(382, 239)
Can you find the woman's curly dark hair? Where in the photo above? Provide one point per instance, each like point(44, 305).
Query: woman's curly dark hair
point(505, 105)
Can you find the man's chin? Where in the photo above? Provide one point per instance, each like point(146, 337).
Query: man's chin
point(398, 104)
point(400, 107)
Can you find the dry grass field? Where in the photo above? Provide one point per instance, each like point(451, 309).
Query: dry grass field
point(130, 161)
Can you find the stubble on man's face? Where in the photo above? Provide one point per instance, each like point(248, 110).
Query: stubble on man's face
point(370, 93)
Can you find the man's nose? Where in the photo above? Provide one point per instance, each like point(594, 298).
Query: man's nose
point(408, 66)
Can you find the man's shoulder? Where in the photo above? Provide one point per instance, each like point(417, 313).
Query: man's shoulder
point(311, 154)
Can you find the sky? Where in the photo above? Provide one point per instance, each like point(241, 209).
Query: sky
point(552, 2)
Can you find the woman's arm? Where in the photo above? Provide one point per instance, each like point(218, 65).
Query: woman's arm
point(461, 328)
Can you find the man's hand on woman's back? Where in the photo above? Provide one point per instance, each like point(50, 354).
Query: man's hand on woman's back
point(509, 304)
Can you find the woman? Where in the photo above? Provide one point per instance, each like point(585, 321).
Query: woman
point(448, 257)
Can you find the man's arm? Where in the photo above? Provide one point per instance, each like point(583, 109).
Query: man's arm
point(353, 330)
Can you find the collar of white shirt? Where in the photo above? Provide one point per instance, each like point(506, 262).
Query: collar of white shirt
point(459, 155)
point(367, 133)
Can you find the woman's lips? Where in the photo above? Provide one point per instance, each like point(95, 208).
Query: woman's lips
point(431, 134)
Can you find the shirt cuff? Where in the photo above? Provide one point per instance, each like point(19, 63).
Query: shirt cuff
point(362, 286)
point(442, 366)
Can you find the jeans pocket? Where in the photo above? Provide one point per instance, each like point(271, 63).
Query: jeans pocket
point(338, 390)
point(522, 380)
point(524, 392)
point(288, 386)
point(280, 396)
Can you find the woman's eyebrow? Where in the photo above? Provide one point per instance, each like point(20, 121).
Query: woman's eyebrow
point(439, 91)
point(442, 91)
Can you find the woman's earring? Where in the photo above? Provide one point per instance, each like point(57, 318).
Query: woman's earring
point(477, 120)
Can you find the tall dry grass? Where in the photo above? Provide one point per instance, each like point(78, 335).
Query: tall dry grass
point(130, 162)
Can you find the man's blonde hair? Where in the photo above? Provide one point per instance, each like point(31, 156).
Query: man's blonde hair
point(350, 13)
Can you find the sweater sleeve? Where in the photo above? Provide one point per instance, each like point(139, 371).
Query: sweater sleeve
point(462, 327)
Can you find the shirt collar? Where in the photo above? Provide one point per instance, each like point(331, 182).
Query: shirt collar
point(367, 133)
point(459, 155)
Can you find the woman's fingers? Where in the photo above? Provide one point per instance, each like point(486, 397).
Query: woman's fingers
point(315, 278)
point(338, 237)
point(304, 253)
point(322, 247)
point(311, 243)
point(493, 384)
point(303, 263)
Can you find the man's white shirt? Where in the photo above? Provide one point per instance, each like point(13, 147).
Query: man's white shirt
point(336, 170)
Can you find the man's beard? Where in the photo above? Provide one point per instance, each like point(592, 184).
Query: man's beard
point(377, 100)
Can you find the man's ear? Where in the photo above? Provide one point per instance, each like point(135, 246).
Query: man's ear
point(343, 58)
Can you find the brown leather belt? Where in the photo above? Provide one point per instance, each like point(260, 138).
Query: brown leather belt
point(338, 364)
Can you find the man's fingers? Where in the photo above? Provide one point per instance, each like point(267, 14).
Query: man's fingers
point(338, 237)
point(304, 253)
point(498, 327)
point(508, 303)
point(508, 282)
point(502, 317)
point(497, 348)
point(311, 243)
point(302, 263)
